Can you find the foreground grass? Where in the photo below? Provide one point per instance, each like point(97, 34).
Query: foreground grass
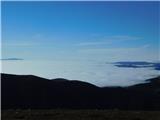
point(59, 114)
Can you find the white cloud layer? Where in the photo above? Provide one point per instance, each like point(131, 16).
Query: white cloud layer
point(98, 73)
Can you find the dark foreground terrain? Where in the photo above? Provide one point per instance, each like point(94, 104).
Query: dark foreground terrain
point(28, 97)
point(60, 114)
point(32, 92)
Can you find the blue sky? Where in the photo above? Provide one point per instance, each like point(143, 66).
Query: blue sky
point(109, 31)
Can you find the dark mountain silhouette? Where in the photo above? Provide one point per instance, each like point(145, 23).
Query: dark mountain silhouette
point(157, 66)
point(138, 64)
point(28, 91)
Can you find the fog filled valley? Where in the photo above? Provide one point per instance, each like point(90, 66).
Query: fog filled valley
point(99, 73)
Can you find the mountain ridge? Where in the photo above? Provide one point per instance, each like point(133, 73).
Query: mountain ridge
point(28, 91)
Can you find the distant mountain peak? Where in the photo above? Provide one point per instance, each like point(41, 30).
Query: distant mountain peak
point(12, 59)
point(138, 64)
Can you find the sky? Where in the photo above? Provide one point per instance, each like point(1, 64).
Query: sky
point(109, 31)
point(81, 40)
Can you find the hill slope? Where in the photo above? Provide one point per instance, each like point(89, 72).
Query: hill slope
point(28, 91)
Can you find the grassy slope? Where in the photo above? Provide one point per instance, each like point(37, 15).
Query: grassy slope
point(59, 114)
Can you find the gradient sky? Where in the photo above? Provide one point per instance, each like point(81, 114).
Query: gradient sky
point(108, 31)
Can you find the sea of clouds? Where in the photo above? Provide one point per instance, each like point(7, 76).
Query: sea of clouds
point(99, 73)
